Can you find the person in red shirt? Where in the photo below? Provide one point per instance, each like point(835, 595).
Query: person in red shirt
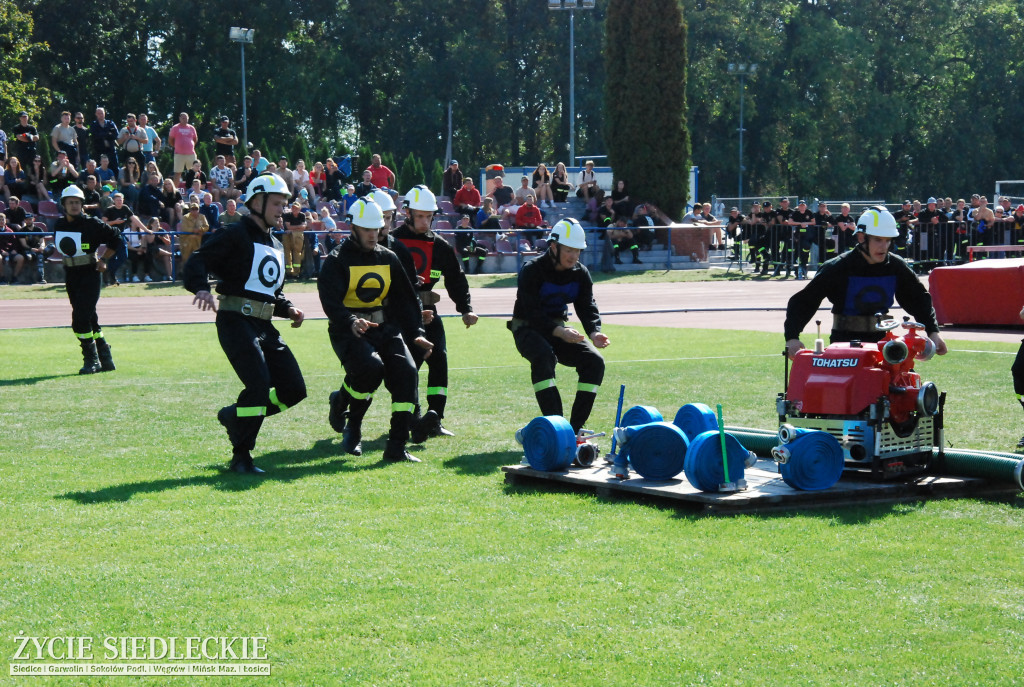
point(529, 216)
point(467, 200)
point(381, 176)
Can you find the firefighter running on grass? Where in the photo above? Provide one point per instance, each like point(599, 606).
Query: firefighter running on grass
point(250, 263)
point(77, 238)
point(434, 258)
point(373, 310)
point(547, 284)
point(861, 282)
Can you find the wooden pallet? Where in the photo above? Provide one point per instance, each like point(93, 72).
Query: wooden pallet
point(765, 489)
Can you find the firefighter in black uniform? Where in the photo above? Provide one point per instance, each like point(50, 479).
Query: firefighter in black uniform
point(373, 310)
point(434, 258)
point(860, 283)
point(801, 223)
point(77, 236)
point(547, 284)
point(250, 263)
point(905, 221)
point(782, 238)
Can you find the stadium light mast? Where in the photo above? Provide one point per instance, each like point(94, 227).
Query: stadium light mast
point(242, 36)
point(572, 6)
point(742, 70)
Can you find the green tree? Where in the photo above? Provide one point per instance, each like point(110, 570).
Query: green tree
point(16, 92)
point(645, 102)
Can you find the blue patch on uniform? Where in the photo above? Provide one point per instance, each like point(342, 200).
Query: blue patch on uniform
point(554, 297)
point(869, 295)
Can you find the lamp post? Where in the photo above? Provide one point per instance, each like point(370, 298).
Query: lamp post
point(742, 70)
point(242, 36)
point(572, 5)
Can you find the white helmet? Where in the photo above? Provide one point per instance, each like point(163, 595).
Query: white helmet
point(568, 232)
point(421, 198)
point(877, 221)
point(383, 199)
point(72, 192)
point(366, 213)
point(266, 183)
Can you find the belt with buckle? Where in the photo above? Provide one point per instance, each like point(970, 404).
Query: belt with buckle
point(429, 298)
point(854, 323)
point(78, 260)
point(258, 309)
point(376, 316)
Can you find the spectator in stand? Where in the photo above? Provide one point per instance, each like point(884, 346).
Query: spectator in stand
point(150, 199)
point(302, 182)
point(846, 225)
point(16, 181)
point(734, 230)
point(211, 212)
point(90, 170)
point(451, 180)
point(349, 198)
point(931, 221)
point(32, 246)
point(380, 175)
point(823, 224)
point(36, 175)
point(467, 247)
point(606, 214)
point(132, 138)
point(17, 218)
point(328, 224)
point(136, 247)
point(128, 180)
point(542, 186)
point(334, 182)
point(905, 221)
point(173, 206)
point(947, 206)
point(521, 193)
point(194, 173)
point(318, 178)
point(560, 184)
point(1016, 224)
point(150, 170)
point(529, 217)
point(983, 218)
point(645, 217)
point(64, 137)
point(61, 175)
point(104, 174)
point(586, 185)
point(103, 133)
point(10, 252)
point(246, 173)
point(781, 243)
point(194, 192)
point(467, 200)
point(153, 141)
point(182, 138)
point(620, 199)
point(596, 201)
point(959, 227)
point(231, 214)
point(193, 226)
point(285, 173)
point(801, 223)
point(3, 145)
point(505, 197)
point(1004, 203)
point(25, 138)
point(223, 180)
point(259, 163)
point(91, 201)
point(486, 217)
point(82, 135)
point(294, 241)
point(622, 237)
point(226, 139)
point(365, 187)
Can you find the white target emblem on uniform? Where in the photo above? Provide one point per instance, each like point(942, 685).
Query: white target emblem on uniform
point(69, 243)
point(267, 272)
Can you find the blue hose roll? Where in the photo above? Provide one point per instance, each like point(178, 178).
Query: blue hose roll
point(703, 465)
point(549, 443)
point(788, 432)
point(635, 416)
point(696, 418)
point(657, 450)
point(815, 462)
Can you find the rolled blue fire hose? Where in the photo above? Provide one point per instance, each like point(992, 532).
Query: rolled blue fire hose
point(695, 418)
point(635, 416)
point(704, 466)
point(549, 443)
point(657, 450)
point(815, 461)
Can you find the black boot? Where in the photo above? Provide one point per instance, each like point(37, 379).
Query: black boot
point(429, 426)
point(352, 437)
point(106, 360)
point(91, 364)
point(339, 411)
point(228, 418)
point(395, 450)
point(241, 462)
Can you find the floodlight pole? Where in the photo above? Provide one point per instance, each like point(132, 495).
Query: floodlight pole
point(243, 36)
point(741, 70)
point(572, 6)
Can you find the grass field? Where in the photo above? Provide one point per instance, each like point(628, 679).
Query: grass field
point(116, 520)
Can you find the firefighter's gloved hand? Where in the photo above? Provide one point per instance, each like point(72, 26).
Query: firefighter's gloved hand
point(940, 345)
point(794, 345)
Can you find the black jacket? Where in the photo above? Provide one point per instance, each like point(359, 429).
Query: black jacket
point(544, 294)
point(435, 258)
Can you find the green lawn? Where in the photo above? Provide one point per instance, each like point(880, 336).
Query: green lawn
point(116, 520)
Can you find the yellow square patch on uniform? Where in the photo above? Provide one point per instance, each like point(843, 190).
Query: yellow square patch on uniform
point(368, 286)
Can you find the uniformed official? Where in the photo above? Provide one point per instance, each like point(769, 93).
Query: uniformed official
point(547, 284)
point(373, 310)
point(434, 259)
point(861, 282)
point(77, 237)
point(250, 263)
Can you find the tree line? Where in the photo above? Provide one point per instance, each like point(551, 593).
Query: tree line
point(852, 98)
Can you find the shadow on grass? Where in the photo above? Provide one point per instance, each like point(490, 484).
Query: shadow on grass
point(281, 466)
point(483, 463)
point(25, 381)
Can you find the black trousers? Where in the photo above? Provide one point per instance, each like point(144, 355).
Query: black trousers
point(437, 365)
point(380, 355)
point(83, 286)
point(1018, 372)
point(269, 372)
point(544, 352)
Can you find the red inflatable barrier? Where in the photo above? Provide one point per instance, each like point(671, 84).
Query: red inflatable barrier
point(987, 292)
